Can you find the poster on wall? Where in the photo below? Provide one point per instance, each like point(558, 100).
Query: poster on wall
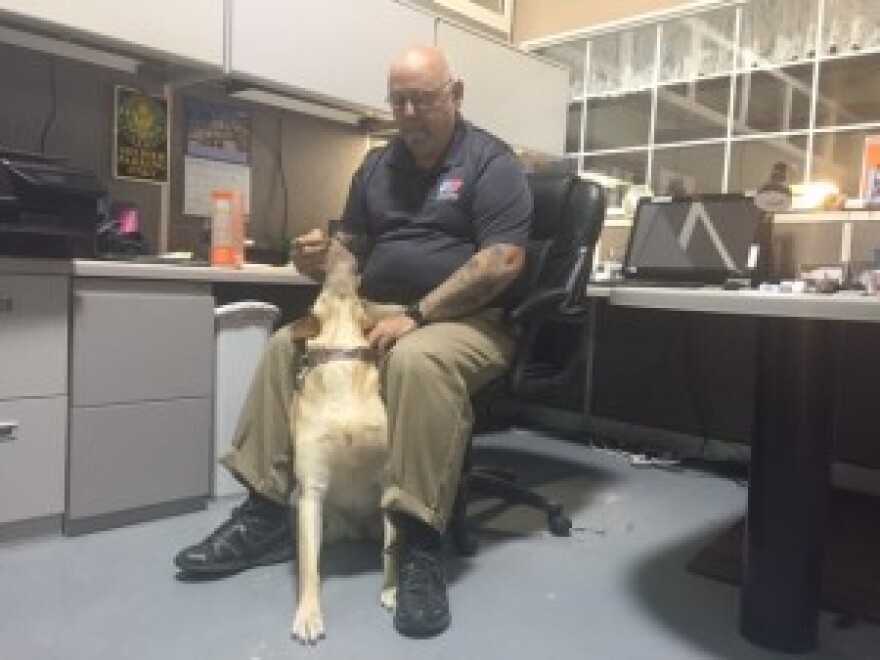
point(217, 154)
point(140, 140)
point(870, 186)
point(216, 131)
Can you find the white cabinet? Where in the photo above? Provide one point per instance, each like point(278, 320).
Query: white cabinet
point(517, 96)
point(191, 29)
point(33, 396)
point(142, 373)
point(337, 50)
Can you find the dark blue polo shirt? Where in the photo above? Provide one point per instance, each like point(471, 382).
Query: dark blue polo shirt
point(419, 227)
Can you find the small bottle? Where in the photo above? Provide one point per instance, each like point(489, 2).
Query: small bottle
point(227, 229)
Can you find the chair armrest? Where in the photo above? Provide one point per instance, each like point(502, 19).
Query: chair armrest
point(546, 303)
point(538, 304)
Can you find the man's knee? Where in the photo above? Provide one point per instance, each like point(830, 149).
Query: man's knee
point(280, 342)
point(413, 360)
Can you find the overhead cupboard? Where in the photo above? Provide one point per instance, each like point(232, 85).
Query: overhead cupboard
point(190, 31)
point(338, 51)
point(333, 53)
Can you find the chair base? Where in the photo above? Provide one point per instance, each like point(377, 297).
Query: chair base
point(492, 482)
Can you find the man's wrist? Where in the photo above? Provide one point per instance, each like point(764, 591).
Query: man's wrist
point(415, 313)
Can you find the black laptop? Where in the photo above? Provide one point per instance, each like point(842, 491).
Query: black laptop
point(697, 241)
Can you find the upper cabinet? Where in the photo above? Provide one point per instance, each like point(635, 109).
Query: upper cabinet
point(521, 98)
point(191, 30)
point(335, 50)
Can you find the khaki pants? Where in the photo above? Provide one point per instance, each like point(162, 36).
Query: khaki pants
point(427, 380)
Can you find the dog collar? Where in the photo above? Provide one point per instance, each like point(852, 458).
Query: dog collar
point(317, 356)
point(309, 358)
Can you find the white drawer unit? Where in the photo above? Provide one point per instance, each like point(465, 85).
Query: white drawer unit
point(33, 335)
point(32, 443)
point(141, 341)
point(129, 456)
point(141, 394)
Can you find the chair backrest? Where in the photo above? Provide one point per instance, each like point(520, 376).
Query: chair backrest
point(568, 216)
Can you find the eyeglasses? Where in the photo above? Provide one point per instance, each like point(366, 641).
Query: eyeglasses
point(420, 99)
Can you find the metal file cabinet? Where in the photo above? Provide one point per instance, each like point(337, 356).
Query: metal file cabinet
point(141, 401)
point(33, 398)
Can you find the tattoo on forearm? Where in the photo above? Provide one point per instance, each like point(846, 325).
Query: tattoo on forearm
point(475, 284)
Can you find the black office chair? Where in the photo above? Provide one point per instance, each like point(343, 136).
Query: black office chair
point(568, 216)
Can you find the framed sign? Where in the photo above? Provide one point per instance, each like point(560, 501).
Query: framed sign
point(140, 136)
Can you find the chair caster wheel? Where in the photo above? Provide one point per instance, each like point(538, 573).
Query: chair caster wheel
point(560, 525)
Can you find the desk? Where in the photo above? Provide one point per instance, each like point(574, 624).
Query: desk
point(791, 449)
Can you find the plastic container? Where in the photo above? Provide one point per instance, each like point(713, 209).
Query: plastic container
point(241, 330)
point(227, 229)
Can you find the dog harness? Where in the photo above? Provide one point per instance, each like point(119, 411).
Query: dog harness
point(309, 358)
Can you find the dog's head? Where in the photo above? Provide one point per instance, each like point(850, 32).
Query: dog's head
point(338, 312)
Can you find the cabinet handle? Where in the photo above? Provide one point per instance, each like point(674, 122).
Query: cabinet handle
point(6, 304)
point(8, 431)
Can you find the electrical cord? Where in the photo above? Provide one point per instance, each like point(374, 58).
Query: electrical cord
point(53, 107)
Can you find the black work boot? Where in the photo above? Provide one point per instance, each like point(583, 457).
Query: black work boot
point(422, 603)
point(256, 534)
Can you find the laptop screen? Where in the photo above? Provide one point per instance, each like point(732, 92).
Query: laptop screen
point(705, 239)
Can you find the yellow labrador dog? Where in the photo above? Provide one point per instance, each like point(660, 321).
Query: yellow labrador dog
point(339, 431)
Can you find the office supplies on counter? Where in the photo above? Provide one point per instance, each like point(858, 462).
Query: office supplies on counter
point(48, 208)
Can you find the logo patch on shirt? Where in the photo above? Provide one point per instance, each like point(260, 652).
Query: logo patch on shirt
point(448, 190)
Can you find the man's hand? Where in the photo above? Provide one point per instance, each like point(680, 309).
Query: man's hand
point(310, 252)
point(387, 331)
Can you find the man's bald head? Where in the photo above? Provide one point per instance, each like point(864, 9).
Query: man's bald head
point(425, 98)
point(427, 62)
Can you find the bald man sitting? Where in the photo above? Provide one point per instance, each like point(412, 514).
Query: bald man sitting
point(438, 221)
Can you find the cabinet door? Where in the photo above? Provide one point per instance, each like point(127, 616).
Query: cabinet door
point(517, 96)
point(338, 50)
point(129, 456)
point(33, 335)
point(191, 29)
point(140, 341)
point(32, 443)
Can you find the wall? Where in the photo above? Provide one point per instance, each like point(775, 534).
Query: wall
point(318, 156)
point(83, 122)
point(540, 18)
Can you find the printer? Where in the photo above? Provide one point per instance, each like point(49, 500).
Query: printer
point(47, 207)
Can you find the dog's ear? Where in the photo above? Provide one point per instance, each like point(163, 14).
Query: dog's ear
point(305, 328)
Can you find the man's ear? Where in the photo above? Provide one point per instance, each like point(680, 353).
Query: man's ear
point(305, 328)
point(458, 92)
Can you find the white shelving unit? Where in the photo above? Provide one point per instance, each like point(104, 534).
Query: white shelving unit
point(709, 98)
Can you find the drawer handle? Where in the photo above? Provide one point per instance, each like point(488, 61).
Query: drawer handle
point(7, 304)
point(8, 431)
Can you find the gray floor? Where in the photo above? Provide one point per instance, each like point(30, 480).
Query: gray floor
point(617, 589)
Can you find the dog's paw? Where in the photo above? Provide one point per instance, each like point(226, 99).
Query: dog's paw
point(308, 624)
point(388, 598)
